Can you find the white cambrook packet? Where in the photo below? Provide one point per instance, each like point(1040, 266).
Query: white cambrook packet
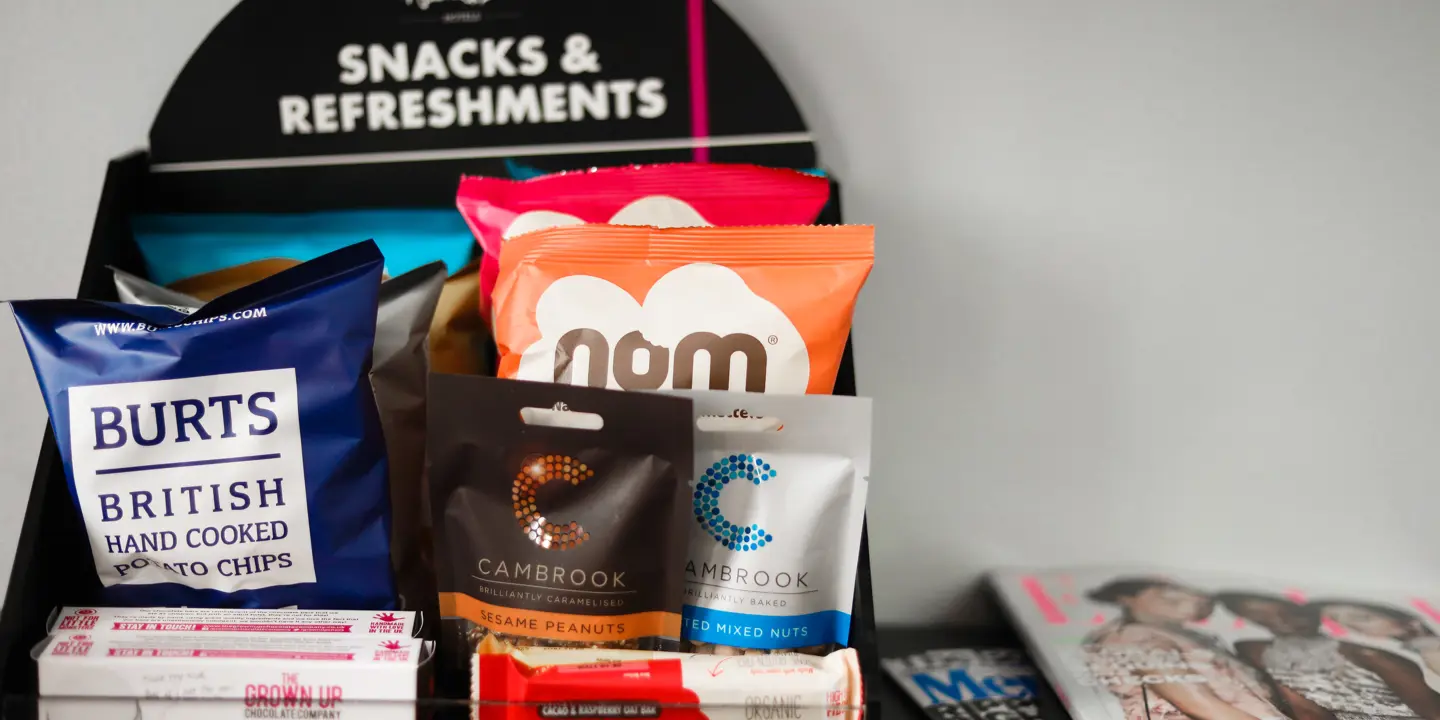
point(778, 505)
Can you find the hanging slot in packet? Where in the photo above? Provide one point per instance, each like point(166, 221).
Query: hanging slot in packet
point(777, 505)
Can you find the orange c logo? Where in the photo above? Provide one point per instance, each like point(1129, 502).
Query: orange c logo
point(546, 532)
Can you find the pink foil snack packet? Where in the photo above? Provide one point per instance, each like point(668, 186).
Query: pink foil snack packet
point(672, 195)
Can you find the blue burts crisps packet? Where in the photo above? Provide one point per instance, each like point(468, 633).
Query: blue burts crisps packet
point(231, 457)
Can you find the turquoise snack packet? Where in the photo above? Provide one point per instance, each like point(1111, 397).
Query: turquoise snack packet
point(178, 246)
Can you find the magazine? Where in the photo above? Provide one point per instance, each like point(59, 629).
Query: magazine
point(1143, 645)
point(969, 683)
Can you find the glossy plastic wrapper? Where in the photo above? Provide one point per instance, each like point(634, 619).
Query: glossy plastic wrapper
point(759, 309)
point(778, 504)
point(553, 534)
point(671, 195)
point(399, 374)
point(230, 457)
point(523, 684)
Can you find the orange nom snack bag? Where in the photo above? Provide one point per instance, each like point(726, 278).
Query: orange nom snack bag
point(759, 309)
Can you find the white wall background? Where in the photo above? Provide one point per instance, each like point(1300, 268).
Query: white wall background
point(1157, 279)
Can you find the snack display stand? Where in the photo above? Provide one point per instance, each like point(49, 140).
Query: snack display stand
point(231, 137)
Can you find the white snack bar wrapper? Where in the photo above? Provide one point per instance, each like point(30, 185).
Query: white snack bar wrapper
point(305, 670)
point(563, 682)
point(101, 620)
point(778, 507)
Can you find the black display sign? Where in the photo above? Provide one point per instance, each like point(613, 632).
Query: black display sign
point(497, 87)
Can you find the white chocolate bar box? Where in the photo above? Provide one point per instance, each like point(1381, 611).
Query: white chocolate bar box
point(219, 621)
point(300, 670)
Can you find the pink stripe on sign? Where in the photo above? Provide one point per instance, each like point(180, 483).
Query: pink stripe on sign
point(1425, 607)
point(699, 93)
point(1335, 628)
point(1042, 600)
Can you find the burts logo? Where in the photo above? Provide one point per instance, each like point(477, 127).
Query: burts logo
point(548, 533)
point(73, 645)
point(392, 650)
point(708, 488)
point(700, 326)
point(386, 623)
point(82, 620)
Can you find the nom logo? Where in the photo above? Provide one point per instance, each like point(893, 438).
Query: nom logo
point(391, 645)
point(700, 326)
point(721, 350)
point(736, 469)
point(387, 617)
point(85, 611)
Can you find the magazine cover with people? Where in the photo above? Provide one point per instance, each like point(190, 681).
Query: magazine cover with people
point(1137, 645)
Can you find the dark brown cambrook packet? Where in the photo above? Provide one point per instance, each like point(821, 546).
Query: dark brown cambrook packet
point(560, 513)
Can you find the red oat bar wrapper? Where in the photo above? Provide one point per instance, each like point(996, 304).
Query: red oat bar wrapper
point(508, 683)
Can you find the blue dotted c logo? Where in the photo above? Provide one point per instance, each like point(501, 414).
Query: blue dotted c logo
point(735, 468)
